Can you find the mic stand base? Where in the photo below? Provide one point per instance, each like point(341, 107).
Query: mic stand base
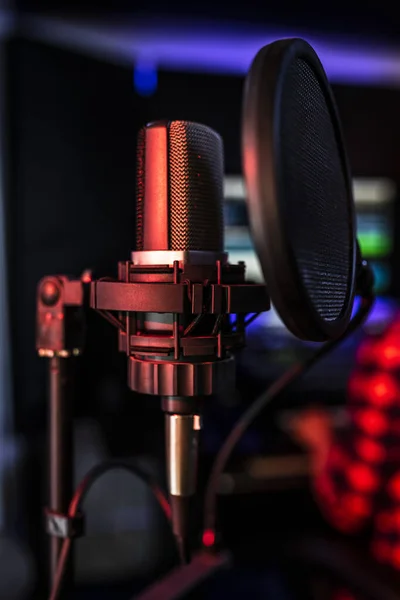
point(183, 580)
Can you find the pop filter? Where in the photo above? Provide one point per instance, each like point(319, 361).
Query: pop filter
point(299, 190)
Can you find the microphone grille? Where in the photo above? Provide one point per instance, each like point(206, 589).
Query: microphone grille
point(140, 188)
point(315, 191)
point(196, 187)
point(186, 171)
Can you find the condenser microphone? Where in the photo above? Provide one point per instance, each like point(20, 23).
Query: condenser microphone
point(181, 306)
point(179, 218)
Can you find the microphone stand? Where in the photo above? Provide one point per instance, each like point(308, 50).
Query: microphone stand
point(59, 337)
point(60, 458)
point(184, 579)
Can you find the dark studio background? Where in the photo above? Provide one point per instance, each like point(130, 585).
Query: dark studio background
point(69, 131)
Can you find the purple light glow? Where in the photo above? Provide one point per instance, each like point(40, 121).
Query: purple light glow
point(213, 48)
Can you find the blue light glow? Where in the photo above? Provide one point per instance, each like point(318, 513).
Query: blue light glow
point(145, 79)
point(212, 47)
point(230, 49)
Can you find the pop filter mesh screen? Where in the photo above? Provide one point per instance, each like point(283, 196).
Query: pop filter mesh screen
point(313, 191)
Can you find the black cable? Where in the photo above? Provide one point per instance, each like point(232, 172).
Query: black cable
point(79, 496)
point(255, 409)
point(183, 550)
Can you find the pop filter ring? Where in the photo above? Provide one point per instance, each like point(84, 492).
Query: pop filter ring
point(263, 174)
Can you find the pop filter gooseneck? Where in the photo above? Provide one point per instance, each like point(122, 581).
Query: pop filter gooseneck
point(299, 190)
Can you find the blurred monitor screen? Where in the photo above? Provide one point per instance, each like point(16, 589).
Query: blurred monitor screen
point(271, 348)
point(374, 199)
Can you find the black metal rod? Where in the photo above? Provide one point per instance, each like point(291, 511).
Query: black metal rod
point(61, 456)
point(177, 344)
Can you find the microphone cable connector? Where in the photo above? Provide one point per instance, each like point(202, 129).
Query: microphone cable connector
point(182, 442)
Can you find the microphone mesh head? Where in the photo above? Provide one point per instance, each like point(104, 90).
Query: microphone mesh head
point(315, 193)
point(196, 187)
point(189, 198)
point(140, 187)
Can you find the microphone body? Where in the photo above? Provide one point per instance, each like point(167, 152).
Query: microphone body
point(179, 220)
point(179, 227)
point(176, 294)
